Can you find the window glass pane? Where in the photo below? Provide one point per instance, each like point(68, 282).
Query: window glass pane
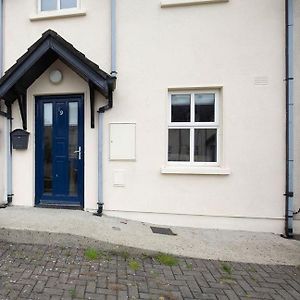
point(48, 114)
point(179, 145)
point(204, 107)
point(73, 148)
point(48, 159)
point(73, 160)
point(205, 145)
point(68, 3)
point(181, 108)
point(48, 5)
point(73, 113)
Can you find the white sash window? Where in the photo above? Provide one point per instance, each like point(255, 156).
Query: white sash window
point(194, 128)
point(50, 5)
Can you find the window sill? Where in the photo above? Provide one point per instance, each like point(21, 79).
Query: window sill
point(172, 3)
point(58, 14)
point(195, 170)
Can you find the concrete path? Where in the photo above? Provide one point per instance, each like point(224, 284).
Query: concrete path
point(52, 226)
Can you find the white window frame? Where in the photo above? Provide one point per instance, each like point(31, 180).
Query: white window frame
point(58, 7)
point(192, 125)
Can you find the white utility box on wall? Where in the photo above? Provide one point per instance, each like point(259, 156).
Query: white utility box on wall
point(122, 141)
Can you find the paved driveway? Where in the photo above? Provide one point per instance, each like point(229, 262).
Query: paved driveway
point(54, 272)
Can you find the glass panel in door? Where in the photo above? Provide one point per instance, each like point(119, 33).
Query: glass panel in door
point(74, 149)
point(48, 129)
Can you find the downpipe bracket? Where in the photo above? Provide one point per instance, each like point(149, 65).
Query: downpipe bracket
point(289, 194)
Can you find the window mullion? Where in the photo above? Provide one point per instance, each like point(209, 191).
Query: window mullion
point(192, 151)
point(180, 125)
point(58, 4)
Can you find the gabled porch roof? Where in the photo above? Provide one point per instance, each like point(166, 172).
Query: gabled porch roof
point(50, 47)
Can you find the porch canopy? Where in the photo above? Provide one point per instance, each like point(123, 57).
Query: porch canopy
point(50, 47)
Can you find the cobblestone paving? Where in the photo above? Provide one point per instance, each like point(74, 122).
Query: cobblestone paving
point(42, 272)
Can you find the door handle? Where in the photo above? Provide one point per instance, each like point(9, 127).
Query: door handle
point(79, 152)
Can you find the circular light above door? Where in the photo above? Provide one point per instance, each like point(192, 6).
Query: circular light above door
point(55, 76)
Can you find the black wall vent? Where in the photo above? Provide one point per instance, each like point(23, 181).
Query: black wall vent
point(161, 230)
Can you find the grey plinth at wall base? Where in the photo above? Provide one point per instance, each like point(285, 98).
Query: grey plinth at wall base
point(64, 240)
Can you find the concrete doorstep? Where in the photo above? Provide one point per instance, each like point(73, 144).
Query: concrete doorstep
point(82, 229)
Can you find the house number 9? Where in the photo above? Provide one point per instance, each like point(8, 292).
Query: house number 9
point(61, 112)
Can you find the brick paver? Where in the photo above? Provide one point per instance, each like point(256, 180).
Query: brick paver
point(43, 272)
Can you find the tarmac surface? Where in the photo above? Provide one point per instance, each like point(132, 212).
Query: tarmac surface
point(71, 228)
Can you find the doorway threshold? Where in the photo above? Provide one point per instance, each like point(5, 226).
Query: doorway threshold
point(60, 206)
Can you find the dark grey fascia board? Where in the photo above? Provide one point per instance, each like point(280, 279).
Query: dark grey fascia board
point(1, 38)
point(79, 67)
point(20, 76)
point(16, 75)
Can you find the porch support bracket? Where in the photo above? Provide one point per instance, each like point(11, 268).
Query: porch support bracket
point(92, 104)
point(3, 114)
point(22, 100)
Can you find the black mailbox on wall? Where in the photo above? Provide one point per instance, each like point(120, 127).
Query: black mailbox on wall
point(19, 139)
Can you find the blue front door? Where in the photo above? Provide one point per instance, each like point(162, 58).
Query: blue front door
point(59, 150)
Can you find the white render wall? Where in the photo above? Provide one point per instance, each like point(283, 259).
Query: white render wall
point(297, 113)
point(229, 45)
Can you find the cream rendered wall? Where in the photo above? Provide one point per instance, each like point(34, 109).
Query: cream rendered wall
point(227, 44)
point(90, 33)
point(224, 44)
point(297, 112)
